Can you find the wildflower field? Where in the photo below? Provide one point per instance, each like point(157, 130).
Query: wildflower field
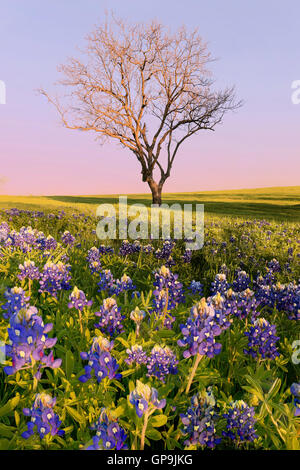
point(136, 344)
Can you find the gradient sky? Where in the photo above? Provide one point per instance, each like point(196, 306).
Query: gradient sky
point(257, 44)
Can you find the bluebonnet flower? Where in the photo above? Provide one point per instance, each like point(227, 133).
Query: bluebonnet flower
point(135, 294)
point(16, 240)
point(67, 238)
point(187, 256)
point(145, 399)
point(240, 422)
point(43, 420)
point(122, 285)
point(78, 300)
point(167, 295)
point(148, 248)
point(110, 321)
point(295, 391)
point(220, 284)
point(29, 271)
point(105, 250)
point(166, 250)
point(274, 266)
point(15, 301)
point(100, 361)
point(247, 305)
point(109, 434)
point(285, 297)
point(196, 287)
point(137, 316)
point(55, 277)
point(93, 258)
point(161, 362)
point(128, 248)
point(200, 331)
point(4, 231)
point(241, 304)
point(200, 421)
point(241, 282)
point(107, 281)
point(44, 243)
point(28, 341)
point(262, 340)
point(136, 354)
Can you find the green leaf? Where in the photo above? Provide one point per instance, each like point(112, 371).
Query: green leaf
point(153, 434)
point(69, 364)
point(124, 342)
point(9, 406)
point(158, 420)
point(6, 431)
point(76, 415)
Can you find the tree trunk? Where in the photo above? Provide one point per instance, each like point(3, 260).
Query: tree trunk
point(156, 192)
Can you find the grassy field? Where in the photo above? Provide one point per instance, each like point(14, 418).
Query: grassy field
point(277, 203)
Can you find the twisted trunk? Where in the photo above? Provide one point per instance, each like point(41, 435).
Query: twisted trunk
point(156, 190)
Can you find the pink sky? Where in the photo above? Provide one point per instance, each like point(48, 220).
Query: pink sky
point(257, 146)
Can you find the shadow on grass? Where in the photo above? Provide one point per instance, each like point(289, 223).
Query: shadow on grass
point(246, 209)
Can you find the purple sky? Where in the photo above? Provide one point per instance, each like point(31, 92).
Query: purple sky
point(258, 47)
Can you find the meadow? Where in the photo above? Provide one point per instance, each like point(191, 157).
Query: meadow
point(131, 345)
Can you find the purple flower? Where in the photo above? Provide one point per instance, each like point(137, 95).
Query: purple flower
point(109, 434)
point(67, 238)
point(100, 361)
point(110, 321)
point(200, 330)
point(28, 271)
point(16, 300)
point(55, 277)
point(295, 390)
point(78, 300)
point(167, 295)
point(262, 340)
point(28, 341)
point(196, 287)
point(145, 399)
point(93, 258)
point(128, 248)
point(220, 284)
point(240, 422)
point(43, 419)
point(199, 421)
point(161, 362)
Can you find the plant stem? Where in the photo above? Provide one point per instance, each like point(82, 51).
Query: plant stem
point(80, 321)
point(144, 430)
point(198, 358)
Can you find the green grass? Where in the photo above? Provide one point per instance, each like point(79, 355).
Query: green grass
point(277, 203)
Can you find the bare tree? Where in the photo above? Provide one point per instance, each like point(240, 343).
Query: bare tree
point(146, 88)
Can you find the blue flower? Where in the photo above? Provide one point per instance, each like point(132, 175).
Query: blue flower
point(262, 340)
point(295, 390)
point(110, 318)
point(28, 341)
point(100, 361)
point(145, 399)
point(200, 330)
point(240, 422)
point(16, 300)
point(109, 434)
point(200, 420)
point(43, 419)
point(161, 362)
